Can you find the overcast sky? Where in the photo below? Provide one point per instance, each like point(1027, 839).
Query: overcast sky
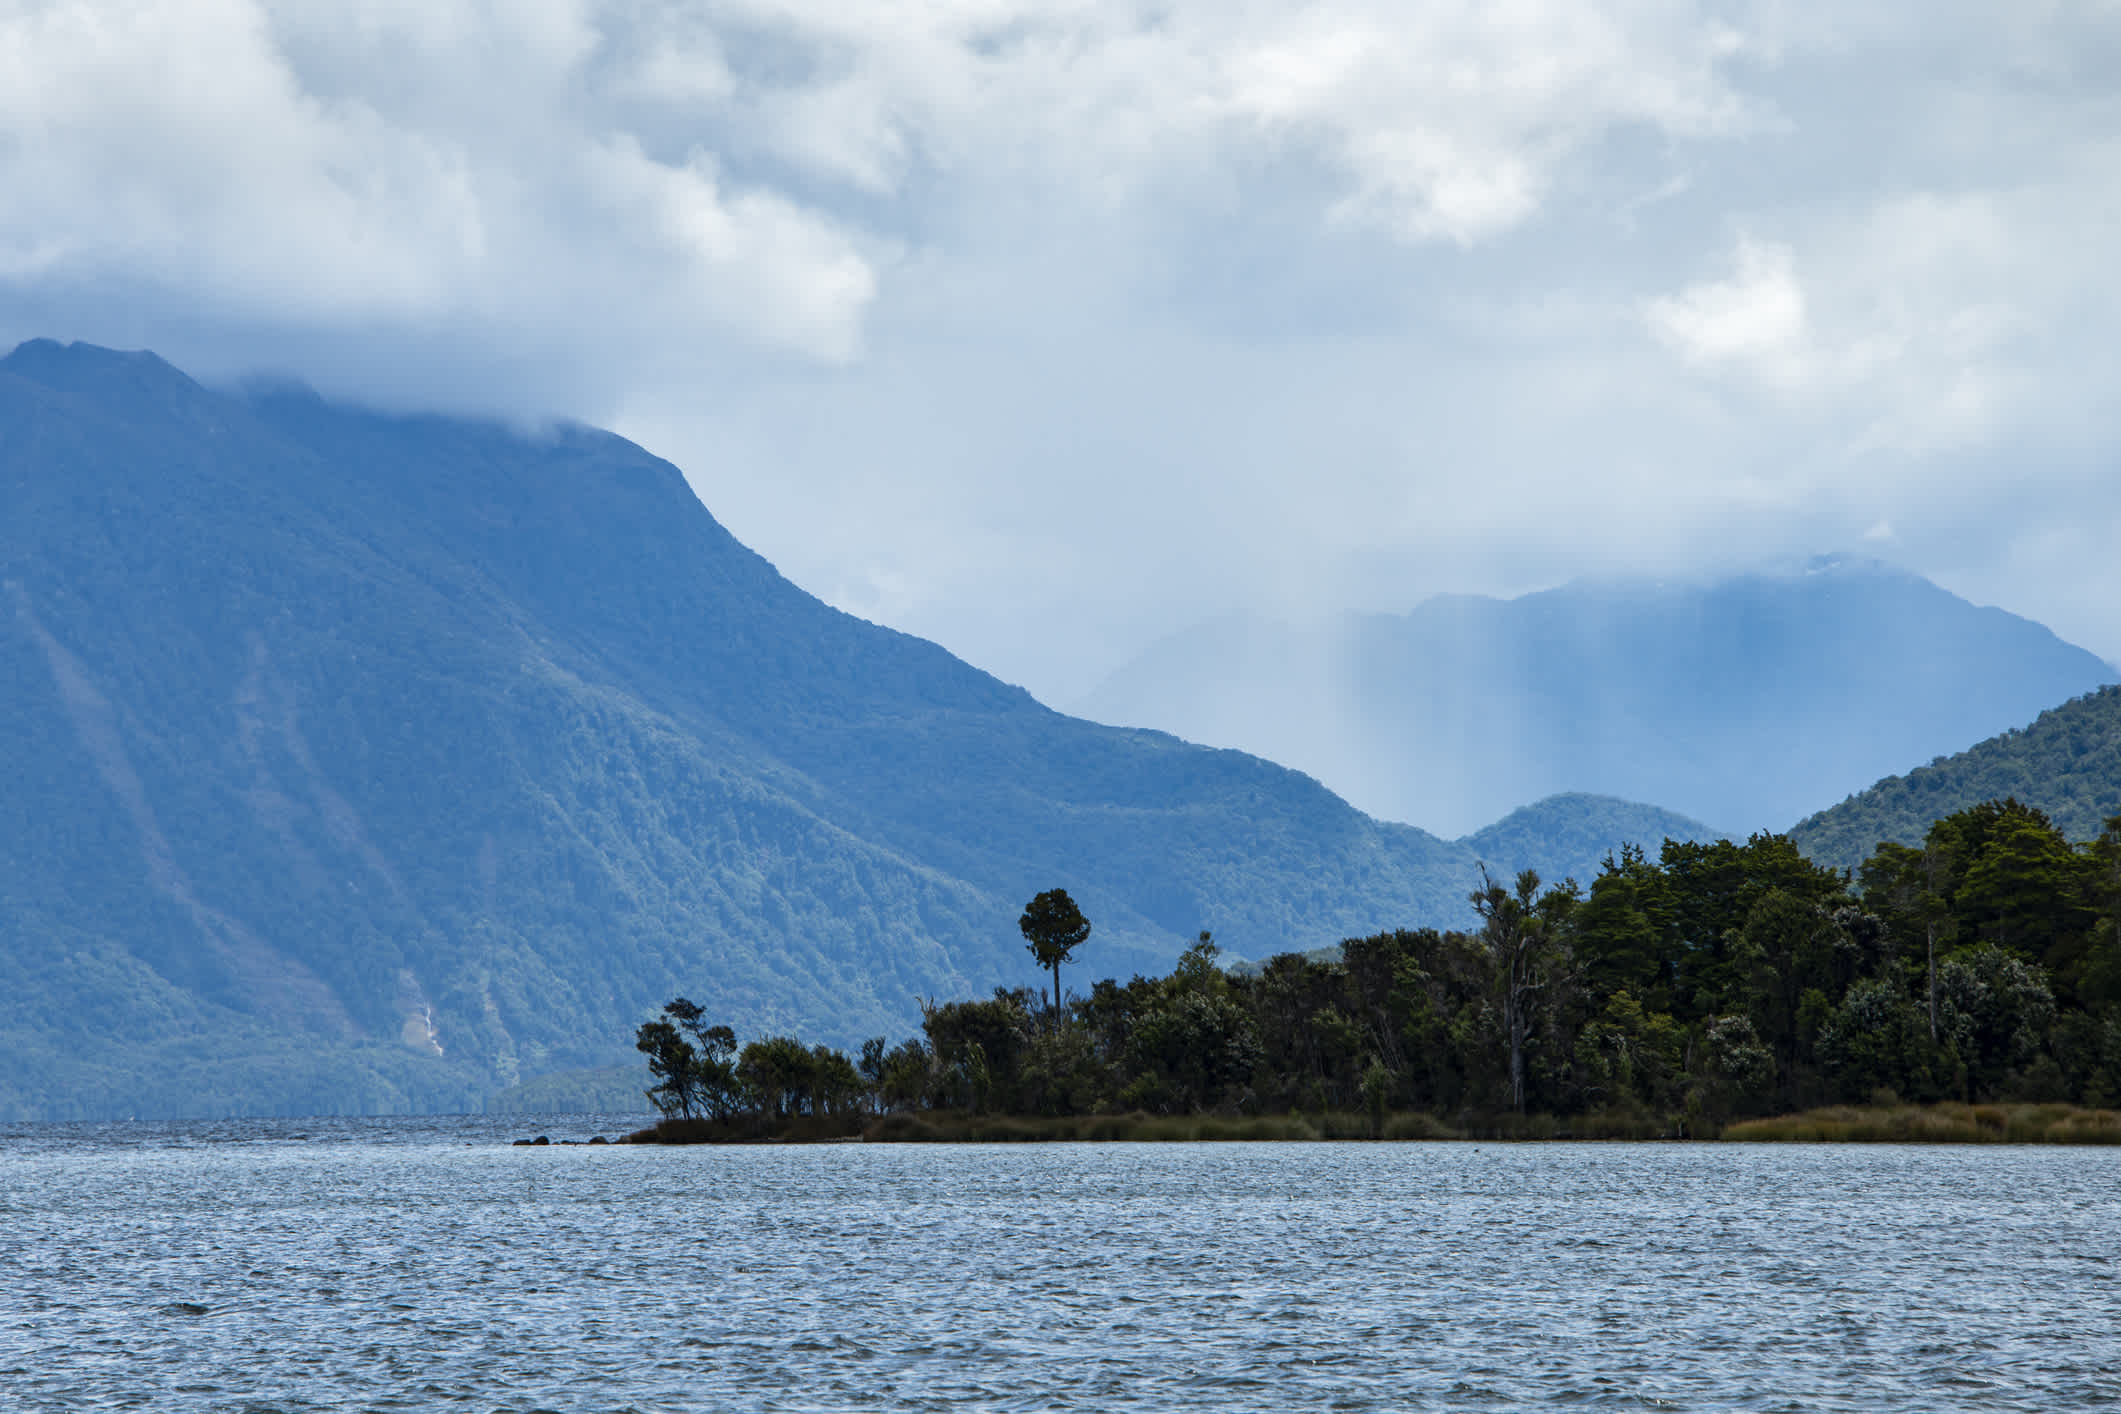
point(1043, 327)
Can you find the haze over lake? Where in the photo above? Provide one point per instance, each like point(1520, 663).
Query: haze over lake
point(362, 1264)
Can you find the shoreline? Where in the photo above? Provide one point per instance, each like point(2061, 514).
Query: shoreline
point(1945, 1123)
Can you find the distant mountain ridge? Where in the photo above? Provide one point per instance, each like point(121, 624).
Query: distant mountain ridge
point(1570, 836)
point(1750, 702)
point(361, 763)
point(2067, 762)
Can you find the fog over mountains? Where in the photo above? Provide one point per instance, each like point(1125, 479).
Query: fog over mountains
point(1749, 703)
point(355, 762)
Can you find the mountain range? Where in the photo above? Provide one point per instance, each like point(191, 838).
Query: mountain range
point(353, 762)
point(1749, 702)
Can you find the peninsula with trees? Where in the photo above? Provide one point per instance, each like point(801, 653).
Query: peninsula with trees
point(1965, 987)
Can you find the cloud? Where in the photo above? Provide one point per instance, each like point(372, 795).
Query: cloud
point(401, 167)
point(1451, 120)
point(1041, 326)
point(1756, 316)
point(439, 162)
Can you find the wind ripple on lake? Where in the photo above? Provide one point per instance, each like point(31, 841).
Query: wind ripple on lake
point(427, 1264)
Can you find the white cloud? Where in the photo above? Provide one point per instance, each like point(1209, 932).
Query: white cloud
point(1042, 325)
point(1452, 118)
point(1756, 316)
point(407, 165)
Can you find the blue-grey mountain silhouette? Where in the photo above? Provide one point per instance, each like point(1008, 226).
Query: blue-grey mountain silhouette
point(1749, 702)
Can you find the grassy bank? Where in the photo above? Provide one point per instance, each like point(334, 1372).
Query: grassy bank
point(750, 1129)
point(1935, 1124)
point(944, 1128)
point(1894, 1124)
point(957, 1127)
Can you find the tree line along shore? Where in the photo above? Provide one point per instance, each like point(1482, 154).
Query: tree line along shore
point(1967, 989)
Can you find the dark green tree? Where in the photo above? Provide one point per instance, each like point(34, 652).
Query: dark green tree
point(2024, 886)
point(1787, 949)
point(1733, 1070)
point(1621, 932)
point(976, 1046)
point(2100, 988)
point(837, 1086)
point(1194, 1043)
point(670, 1061)
point(782, 1075)
point(1517, 926)
point(1874, 1042)
point(1629, 1058)
point(1910, 889)
point(1709, 891)
point(1997, 1012)
point(695, 1075)
point(876, 1054)
point(908, 1077)
point(1053, 927)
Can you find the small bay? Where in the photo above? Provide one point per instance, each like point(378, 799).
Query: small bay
point(429, 1263)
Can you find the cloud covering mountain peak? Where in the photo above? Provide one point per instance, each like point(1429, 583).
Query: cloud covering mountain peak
point(1043, 326)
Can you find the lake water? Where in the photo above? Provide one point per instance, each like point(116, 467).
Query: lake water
point(429, 1264)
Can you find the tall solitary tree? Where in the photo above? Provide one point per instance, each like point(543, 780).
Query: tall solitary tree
point(1053, 927)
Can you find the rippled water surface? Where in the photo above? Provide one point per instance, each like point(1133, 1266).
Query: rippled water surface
point(429, 1264)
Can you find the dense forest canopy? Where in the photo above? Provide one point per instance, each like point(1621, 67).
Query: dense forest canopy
point(1715, 981)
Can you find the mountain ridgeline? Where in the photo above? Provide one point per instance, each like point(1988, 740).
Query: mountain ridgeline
point(364, 763)
point(2066, 764)
point(1837, 673)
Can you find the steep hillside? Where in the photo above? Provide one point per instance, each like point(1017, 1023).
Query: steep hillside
point(1749, 702)
point(352, 762)
point(2067, 763)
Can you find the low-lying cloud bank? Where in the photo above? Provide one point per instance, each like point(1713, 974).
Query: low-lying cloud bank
point(1041, 327)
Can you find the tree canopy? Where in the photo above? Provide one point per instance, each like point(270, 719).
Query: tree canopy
point(1714, 982)
point(1053, 928)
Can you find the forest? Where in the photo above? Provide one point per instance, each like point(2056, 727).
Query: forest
point(1716, 982)
point(2069, 761)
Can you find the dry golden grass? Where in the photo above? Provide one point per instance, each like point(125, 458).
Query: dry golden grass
point(1935, 1124)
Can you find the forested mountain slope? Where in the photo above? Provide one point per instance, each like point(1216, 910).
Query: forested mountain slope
point(1748, 703)
point(2067, 764)
point(1570, 836)
point(354, 762)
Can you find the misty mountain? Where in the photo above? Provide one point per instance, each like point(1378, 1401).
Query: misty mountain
point(1569, 836)
point(1749, 703)
point(352, 762)
point(2067, 763)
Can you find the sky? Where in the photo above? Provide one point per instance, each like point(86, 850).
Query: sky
point(1043, 328)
